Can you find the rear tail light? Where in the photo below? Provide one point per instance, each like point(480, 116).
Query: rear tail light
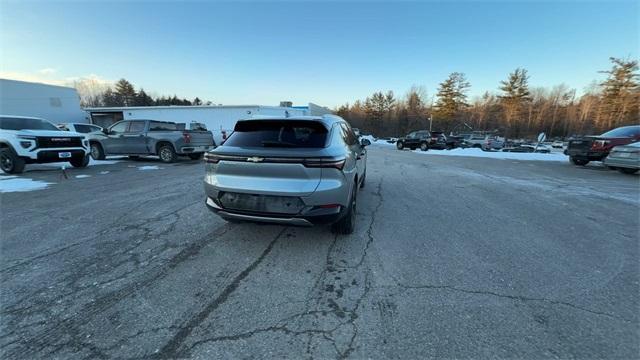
point(187, 137)
point(336, 163)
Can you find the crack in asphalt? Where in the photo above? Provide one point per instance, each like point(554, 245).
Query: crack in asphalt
point(512, 297)
point(344, 316)
point(61, 330)
point(172, 348)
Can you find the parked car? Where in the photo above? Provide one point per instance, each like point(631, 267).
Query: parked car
point(415, 139)
point(440, 141)
point(596, 148)
point(625, 158)
point(297, 171)
point(135, 138)
point(557, 144)
point(29, 140)
point(529, 148)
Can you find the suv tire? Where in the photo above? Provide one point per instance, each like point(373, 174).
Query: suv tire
point(628, 171)
point(10, 162)
point(424, 146)
point(80, 162)
point(347, 224)
point(97, 153)
point(400, 145)
point(578, 162)
point(166, 153)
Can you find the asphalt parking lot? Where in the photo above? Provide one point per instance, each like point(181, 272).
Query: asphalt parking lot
point(453, 257)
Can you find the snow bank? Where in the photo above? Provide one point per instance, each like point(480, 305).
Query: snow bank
point(16, 184)
point(475, 152)
point(149, 167)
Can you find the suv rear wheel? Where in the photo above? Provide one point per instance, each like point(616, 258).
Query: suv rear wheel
point(628, 171)
point(347, 224)
point(400, 145)
point(424, 146)
point(578, 162)
point(10, 162)
point(166, 153)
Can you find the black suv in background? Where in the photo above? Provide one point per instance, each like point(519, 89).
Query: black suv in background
point(415, 139)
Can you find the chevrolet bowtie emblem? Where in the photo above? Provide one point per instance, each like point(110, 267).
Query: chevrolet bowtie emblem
point(255, 159)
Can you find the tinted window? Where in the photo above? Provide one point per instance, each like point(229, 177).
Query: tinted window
point(411, 135)
point(85, 128)
point(162, 126)
point(278, 133)
point(136, 127)
point(119, 127)
point(625, 131)
point(7, 123)
point(350, 138)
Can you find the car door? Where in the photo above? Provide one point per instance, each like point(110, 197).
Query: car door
point(134, 141)
point(114, 142)
point(410, 139)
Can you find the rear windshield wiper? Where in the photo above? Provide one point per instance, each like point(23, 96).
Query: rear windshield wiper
point(271, 143)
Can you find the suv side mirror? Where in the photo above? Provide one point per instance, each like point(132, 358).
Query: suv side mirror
point(365, 142)
point(105, 131)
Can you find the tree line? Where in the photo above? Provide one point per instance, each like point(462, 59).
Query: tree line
point(515, 110)
point(123, 93)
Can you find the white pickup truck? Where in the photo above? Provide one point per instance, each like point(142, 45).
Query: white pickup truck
point(28, 140)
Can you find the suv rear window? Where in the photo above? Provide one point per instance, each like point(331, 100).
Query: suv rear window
point(278, 133)
point(7, 123)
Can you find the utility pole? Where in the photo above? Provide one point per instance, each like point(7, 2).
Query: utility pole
point(430, 121)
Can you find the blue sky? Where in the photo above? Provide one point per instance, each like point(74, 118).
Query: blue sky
point(328, 53)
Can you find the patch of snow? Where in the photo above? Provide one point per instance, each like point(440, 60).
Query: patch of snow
point(82, 176)
point(16, 184)
point(475, 152)
point(149, 167)
point(104, 172)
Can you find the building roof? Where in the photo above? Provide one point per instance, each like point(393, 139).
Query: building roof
point(124, 108)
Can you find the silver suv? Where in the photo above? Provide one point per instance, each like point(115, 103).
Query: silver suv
point(296, 171)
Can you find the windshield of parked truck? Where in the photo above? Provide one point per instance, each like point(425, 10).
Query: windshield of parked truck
point(9, 123)
point(278, 133)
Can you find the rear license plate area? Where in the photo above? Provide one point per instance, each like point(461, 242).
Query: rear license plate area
point(64, 155)
point(261, 203)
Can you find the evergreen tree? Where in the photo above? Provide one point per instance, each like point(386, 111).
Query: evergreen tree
point(378, 107)
point(452, 98)
point(109, 98)
point(197, 101)
point(515, 94)
point(125, 92)
point(620, 93)
point(142, 99)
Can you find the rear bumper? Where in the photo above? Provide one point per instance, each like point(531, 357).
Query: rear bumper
point(588, 155)
point(297, 220)
point(195, 149)
point(630, 163)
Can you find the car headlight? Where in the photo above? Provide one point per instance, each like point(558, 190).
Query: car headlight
point(27, 141)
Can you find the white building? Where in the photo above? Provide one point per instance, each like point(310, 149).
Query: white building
point(57, 104)
point(218, 119)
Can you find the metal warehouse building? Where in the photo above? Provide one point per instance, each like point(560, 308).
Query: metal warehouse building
point(217, 118)
point(57, 104)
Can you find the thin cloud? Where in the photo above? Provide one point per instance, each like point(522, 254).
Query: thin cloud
point(47, 71)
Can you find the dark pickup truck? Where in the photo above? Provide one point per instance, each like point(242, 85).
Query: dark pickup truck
point(596, 148)
point(150, 137)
